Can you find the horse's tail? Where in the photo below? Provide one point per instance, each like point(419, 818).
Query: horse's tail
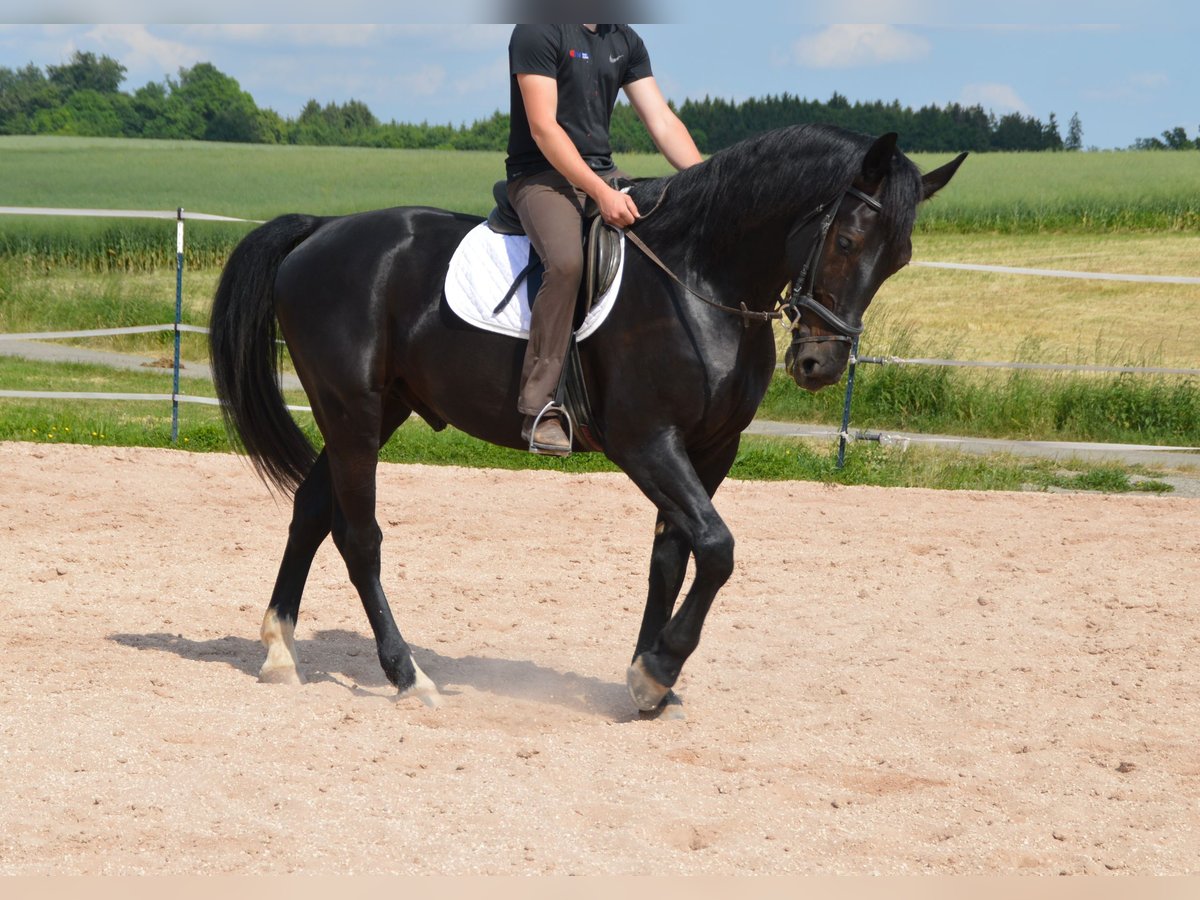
point(245, 357)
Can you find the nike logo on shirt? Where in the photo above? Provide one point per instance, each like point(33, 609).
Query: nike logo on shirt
point(613, 59)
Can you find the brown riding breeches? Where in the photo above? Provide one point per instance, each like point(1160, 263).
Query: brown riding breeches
point(551, 212)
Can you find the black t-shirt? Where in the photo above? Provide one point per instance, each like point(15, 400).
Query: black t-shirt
point(590, 69)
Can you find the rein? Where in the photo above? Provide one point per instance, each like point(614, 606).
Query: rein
point(748, 315)
point(801, 297)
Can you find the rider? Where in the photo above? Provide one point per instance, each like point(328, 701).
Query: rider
point(564, 82)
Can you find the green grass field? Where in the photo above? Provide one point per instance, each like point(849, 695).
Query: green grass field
point(1008, 192)
point(103, 423)
point(988, 214)
point(1011, 193)
point(1117, 212)
point(1024, 193)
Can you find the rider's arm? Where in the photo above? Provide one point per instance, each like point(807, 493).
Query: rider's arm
point(540, 95)
point(669, 134)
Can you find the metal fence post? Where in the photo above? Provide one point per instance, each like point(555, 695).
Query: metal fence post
point(178, 322)
point(841, 457)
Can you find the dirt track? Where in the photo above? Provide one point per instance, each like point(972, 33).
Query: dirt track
point(893, 681)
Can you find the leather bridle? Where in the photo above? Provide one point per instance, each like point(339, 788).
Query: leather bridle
point(804, 284)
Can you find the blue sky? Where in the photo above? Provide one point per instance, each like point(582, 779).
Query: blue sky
point(1126, 79)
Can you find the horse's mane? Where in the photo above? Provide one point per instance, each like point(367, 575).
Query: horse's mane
point(778, 175)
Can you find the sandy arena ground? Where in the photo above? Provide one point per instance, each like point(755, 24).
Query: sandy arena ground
point(895, 681)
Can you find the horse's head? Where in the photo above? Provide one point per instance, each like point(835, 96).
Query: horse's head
point(841, 253)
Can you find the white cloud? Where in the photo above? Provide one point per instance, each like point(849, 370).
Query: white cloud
point(1136, 88)
point(454, 37)
point(493, 77)
point(141, 51)
point(424, 82)
point(1149, 80)
point(846, 46)
point(1001, 98)
point(291, 35)
point(457, 37)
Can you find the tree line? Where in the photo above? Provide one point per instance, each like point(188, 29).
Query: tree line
point(83, 96)
point(1172, 139)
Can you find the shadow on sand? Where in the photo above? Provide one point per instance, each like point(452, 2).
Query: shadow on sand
point(349, 659)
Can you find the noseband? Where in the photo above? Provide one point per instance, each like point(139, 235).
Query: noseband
point(804, 284)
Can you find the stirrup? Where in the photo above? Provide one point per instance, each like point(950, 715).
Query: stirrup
point(548, 449)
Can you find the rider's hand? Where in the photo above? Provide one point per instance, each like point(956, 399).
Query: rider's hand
point(618, 209)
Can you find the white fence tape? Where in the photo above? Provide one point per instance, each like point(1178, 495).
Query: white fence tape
point(81, 395)
point(99, 395)
point(1061, 273)
point(119, 214)
point(877, 360)
point(98, 332)
point(1041, 367)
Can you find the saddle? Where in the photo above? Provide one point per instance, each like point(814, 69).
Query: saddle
point(601, 251)
point(601, 262)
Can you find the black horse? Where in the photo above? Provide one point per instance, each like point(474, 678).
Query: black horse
point(674, 375)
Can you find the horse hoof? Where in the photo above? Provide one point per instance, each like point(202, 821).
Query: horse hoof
point(279, 675)
point(670, 709)
point(647, 693)
point(432, 699)
point(423, 689)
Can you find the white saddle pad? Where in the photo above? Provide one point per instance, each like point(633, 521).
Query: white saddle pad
point(484, 267)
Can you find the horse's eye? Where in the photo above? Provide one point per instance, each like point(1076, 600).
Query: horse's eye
point(844, 243)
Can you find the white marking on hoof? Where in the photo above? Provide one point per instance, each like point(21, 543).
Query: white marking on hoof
point(672, 708)
point(423, 689)
point(279, 675)
point(278, 636)
point(645, 691)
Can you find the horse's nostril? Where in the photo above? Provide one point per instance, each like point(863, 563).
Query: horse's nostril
point(808, 366)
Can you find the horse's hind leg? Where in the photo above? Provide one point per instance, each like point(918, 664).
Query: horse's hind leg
point(312, 518)
point(353, 457)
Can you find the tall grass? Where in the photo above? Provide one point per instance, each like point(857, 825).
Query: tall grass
point(70, 300)
point(1007, 403)
point(243, 180)
point(996, 192)
point(113, 245)
point(1102, 192)
point(101, 423)
point(247, 180)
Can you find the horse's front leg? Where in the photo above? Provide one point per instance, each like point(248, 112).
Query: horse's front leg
point(668, 566)
point(687, 522)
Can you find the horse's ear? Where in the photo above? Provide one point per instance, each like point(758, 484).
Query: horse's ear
point(878, 161)
point(934, 181)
